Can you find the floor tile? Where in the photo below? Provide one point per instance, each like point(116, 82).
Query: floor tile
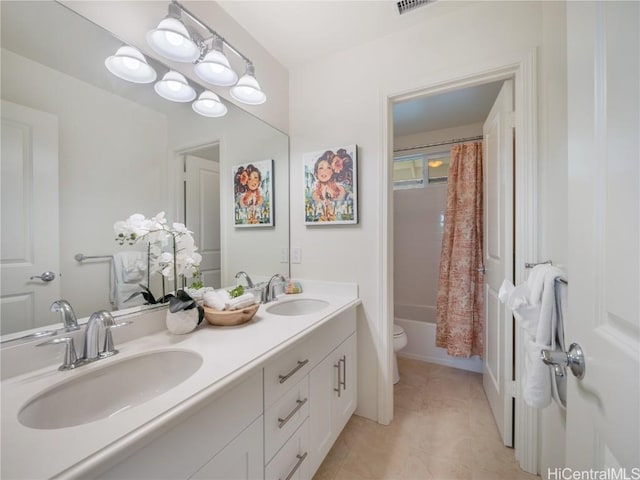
point(442, 429)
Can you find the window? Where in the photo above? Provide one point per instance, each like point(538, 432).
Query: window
point(416, 171)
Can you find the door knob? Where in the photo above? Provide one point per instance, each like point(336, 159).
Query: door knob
point(573, 358)
point(45, 277)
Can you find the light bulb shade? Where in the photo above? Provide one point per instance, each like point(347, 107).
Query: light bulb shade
point(172, 40)
point(209, 105)
point(248, 91)
point(129, 64)
point(215, 69)
point(175, 87)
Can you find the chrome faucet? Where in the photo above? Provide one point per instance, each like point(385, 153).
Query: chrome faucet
point(246, 277)
point(268, 291)
point(67, 315)
point(91, 344)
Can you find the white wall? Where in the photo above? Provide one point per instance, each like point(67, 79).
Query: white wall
point(130, 21)
point(348, 108)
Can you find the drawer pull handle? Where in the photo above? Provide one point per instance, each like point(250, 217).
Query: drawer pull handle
point(301, 363)
point(337, 365)
point(283, 421)
point(297, 466)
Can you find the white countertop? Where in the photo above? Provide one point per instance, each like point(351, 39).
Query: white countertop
point(228, 354)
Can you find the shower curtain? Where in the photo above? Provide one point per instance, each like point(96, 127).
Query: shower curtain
point(459, 307)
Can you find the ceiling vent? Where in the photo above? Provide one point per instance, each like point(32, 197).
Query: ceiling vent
point(405, 6)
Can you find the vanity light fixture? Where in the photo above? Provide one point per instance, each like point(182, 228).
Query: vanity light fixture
point(211, 63)
point(182, 37)
point(172, 40)
point(209, 105)
point(214, 68)
point(175, 87)
point(247, 90)
point(129, 64)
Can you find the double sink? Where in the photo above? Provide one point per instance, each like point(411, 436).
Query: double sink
point(120, 385)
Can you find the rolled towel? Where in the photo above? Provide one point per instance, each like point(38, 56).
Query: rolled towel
point(240, 302)
point(214, 300)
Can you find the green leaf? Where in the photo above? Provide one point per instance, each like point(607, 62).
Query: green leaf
point(236, 292)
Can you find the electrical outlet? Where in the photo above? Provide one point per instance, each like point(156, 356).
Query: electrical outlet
point(284, 255)
point(296, 255)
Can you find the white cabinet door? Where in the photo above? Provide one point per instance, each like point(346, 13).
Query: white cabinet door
point(242, 459)
point(333, 390)
point(345, 401)
point(603, 71)
point(323, 383)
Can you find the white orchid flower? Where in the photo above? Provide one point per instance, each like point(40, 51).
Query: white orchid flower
point(161, 250)
point(180, 228)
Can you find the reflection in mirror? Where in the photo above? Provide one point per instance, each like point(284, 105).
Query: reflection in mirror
point(82, 149)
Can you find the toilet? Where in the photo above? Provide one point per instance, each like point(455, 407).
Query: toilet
point(399, 342)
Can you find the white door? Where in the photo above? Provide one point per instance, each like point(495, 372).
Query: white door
point(498, 258)
point(202, 214)
point(603, 419)
point(30, 244)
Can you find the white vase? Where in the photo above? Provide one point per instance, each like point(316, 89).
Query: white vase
point(182, 322)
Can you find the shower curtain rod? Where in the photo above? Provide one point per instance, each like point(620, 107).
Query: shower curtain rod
point(437, 144)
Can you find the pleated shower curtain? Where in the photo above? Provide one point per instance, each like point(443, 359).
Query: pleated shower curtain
point(459, 307)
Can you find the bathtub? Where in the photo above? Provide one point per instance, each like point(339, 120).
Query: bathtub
point(419, 322)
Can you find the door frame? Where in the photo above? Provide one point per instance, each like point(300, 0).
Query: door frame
point(522, 68)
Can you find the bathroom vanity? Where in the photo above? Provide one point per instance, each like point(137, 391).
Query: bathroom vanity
point(263, 400)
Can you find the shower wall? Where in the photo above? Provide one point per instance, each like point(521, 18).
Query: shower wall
point(418, 218)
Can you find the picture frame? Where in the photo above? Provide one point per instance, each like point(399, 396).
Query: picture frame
point(330, 187)
point(253, 194)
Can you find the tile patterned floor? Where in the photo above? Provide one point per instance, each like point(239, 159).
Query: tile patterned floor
point(442, 429)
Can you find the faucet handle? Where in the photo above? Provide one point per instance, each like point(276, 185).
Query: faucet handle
point(70, 356)
point(109, 347)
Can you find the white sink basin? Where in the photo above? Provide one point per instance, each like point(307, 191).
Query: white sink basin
point(301, 306)
point(109, 390)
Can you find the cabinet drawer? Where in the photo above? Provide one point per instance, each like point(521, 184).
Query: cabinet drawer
point(292, 461)
point(283, 372)
point(285, 416)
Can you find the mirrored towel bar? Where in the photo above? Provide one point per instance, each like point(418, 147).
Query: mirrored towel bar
point(81, 257)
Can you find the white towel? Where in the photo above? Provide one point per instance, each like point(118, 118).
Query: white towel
point(240, 302)
point(535, 307)
point(214, 300)
point(121, 289)
point(536, 388)
point(134, 266)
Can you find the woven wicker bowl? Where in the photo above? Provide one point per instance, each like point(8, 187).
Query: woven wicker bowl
point(231, 317)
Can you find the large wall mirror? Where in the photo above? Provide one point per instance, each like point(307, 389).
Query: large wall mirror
point(82, 149)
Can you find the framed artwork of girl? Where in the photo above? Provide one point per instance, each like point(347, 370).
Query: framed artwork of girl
point(330, 186)
point(253, 194)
